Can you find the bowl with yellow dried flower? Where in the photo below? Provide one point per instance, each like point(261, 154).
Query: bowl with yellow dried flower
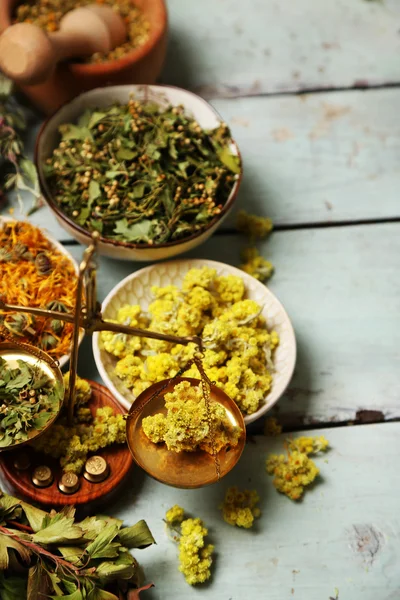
point(249, 342)
point(36, 271)
point(138, 60)
point(153, 169)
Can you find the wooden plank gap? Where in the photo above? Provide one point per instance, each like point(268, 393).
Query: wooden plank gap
point(229, 92)
point(318, 225)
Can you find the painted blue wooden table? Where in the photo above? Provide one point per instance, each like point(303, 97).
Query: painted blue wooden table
point(311, 92)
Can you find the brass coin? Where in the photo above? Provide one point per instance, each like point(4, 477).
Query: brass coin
point(22, 461)
point(96, 469)
point(42, 476)
point(69, 483)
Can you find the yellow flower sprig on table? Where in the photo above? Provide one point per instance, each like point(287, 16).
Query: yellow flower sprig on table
point(294, 472)
point(195, 556)
point(240, 507)
point(257, 266)
point(255, 228)
point(271, 427)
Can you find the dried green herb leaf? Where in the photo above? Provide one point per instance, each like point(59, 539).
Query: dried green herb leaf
point(136, 536)
point(18, 547)
point(94, 118)
point(168, 203)
point(230, 160)
point(54, 581)
point(59, 531)
point(3, 553)
point(138, 232)
point(138, 190)
point(30, 172)
point(73, 132)
point(102, 546)
point(83, 215)
point(125, 154)
point(94, 191)
point(34, 515)
point(77, 595)
point(38, 583)
point(101, 595)
point(12, 587)
point(114, 174)
point(118, 569)
point(72, 554)
point(96, 225)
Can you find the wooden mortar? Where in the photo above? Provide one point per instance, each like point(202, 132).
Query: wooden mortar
point(140, 66)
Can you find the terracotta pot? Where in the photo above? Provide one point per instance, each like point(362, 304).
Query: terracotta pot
point(142, 65)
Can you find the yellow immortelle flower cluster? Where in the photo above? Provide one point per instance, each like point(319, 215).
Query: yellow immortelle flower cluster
point(272, 427)
point(257, 266)
point(308, 445)
point(239, 507)
point(294, 472)
point(175, 515)
point(186, 425)
point(195, 557)
point(253, 226)
point(238, 346)
point(72, 444)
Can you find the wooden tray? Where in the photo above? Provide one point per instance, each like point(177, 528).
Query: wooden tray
point(117, 456)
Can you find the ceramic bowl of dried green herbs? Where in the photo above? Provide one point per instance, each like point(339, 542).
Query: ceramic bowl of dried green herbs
point(153, 169)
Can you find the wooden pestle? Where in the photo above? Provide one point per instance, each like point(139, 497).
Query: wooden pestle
point(28, 55)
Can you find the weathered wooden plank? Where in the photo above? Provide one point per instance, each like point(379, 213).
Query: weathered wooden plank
point(223, 48)
point(320, 158)
point(341, 289)
point(344, 534)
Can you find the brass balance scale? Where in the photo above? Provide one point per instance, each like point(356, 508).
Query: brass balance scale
point(183, 470)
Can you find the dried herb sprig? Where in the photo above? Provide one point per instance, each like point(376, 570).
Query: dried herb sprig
point(28, 400)
point(50, 554)
point(23, 176)
point(138, 173)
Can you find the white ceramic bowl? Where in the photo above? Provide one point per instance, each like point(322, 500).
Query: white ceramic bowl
point(64, 359)
point(135, 289)
point(48, 139)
